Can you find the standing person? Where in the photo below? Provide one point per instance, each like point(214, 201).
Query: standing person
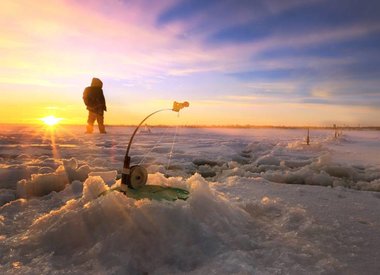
point(94, 99)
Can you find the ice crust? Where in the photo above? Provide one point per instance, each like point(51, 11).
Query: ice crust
point(261, 202)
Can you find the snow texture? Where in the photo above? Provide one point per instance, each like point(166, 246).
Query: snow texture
point(261, 202)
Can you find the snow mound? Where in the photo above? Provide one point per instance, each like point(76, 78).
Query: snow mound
point(131, 236)
point(302, 145)
point(325, 172)
point(206, 232)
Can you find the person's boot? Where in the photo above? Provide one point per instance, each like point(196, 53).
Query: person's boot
point(89, 129)
point(102, 129)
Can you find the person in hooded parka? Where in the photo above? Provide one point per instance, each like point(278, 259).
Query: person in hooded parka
point(94, 99)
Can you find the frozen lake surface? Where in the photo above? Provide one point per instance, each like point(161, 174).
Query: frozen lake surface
point(261, 202)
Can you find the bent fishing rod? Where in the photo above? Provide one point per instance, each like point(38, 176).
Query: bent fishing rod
point(136, 176)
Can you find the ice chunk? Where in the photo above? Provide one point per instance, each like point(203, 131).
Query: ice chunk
point(206, 171)
point(70, 163)
point(82, 172)
point(93, 187)
point(42, 184)
point(10, 175)
point(70, 168)
point(109, 177)
point(45, 170)
point(200, 162)
point(368, 186)
point(6, 195)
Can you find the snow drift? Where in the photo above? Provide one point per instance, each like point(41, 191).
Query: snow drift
point(122, 235)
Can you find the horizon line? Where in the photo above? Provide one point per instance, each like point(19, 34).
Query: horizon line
point(232, 126)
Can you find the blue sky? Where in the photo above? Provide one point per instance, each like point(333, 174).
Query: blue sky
point(328, 50)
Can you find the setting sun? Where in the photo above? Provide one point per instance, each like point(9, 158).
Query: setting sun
point(51, 120)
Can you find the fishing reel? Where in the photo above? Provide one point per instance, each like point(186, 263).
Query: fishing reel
point(136, 176)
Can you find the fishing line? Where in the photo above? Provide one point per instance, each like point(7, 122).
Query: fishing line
point(155, 146)
point(171, 150)
point(135, 176)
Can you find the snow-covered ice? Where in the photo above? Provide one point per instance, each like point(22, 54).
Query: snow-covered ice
point(261, 202)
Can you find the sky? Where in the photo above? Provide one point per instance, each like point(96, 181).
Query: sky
point(272, 62)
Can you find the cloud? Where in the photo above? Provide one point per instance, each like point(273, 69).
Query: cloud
point(69, 38)
point(203, 50)
point(72, 38)
point(320, 93)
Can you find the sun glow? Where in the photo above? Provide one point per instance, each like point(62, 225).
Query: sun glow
point(51, 120)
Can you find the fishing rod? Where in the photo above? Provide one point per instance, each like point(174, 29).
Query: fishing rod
point(136, 176)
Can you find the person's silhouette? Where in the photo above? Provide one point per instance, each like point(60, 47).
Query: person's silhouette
point(94, 99)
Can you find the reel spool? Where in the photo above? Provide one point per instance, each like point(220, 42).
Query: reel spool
point(136, 176)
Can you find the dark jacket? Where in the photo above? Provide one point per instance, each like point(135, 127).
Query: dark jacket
point(93, 97)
